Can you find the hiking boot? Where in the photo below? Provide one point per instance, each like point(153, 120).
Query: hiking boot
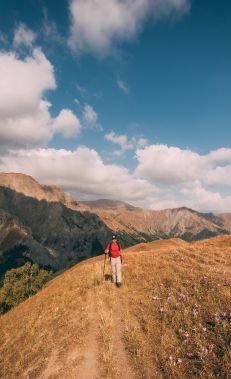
point(118, 285)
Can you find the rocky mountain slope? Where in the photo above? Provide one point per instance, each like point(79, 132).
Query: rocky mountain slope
point(41, 224)
point(226, 219)
point(28, 186)
point(180, 222)
point(132, 224)
point(174, 323)
point(47, 233)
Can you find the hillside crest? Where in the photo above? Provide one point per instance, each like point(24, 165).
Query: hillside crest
point(65, 330)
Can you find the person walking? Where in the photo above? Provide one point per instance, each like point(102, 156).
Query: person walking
point(114, 249)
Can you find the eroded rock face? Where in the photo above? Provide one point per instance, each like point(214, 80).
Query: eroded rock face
point(48, 233)
point(169, 223)
point(131, 223)
point(42, 224)
point(28, 186)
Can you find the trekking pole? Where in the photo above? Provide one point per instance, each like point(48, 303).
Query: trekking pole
point(104, 264)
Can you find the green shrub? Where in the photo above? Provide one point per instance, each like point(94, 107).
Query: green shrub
point(21, 283)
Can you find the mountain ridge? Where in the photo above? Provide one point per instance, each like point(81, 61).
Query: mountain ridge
point(125, 218)
point(41, 224)
point(49, 233)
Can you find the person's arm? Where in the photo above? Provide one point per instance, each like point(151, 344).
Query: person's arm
point(106, 250)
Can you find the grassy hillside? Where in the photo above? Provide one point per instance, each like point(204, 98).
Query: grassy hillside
point(170, 319)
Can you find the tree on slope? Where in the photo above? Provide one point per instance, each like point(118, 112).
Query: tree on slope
point(21, 283)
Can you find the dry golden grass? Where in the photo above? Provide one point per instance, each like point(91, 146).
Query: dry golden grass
point(56, 318)
point(105, 301)
point(179, 311)
point(173, 313)
point(158, 245)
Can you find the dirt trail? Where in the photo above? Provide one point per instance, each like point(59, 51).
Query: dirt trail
point(102, 353)
point(123, 367)
point(89, 365)
point(52, 367)
point(79, 362)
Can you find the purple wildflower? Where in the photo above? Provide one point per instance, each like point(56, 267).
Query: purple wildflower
point(203, 350)
point(182, 297)
point(210, 347)
point(194, 312)
point(217, 318)
point(184, 334)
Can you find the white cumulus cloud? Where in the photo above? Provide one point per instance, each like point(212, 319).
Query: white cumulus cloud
point(96, 25)
point(90, 118)
point(87, 174)
point(67, 123)
point(124, 142)
point(25, 118)
point(169, 165)
point(24, 113)
point(199, 197)
point(23, 36)
point(172, 165)
point(23, 82)
point(29, 129)
point(89, 114)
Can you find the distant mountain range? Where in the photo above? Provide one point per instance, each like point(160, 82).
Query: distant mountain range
point(42, 224)
point(182, 222)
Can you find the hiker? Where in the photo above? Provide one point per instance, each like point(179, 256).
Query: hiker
point(114, 249)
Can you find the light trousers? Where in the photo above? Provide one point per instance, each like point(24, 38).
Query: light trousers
point(116, 270)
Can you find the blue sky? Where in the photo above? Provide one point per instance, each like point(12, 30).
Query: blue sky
point(140, 90)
